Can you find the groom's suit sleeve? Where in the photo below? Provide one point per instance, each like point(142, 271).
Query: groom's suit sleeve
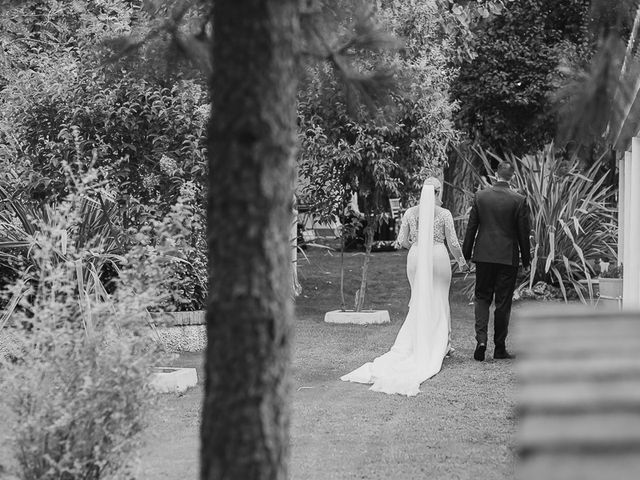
point(523, 234)
point(472, 229)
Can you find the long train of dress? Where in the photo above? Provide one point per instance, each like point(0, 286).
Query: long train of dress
point(420, 346)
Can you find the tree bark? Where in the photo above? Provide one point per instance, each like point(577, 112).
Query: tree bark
point(369, 232)
point(252, 138)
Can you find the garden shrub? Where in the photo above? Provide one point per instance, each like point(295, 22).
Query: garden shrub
point(173, 253)
point(145, 143)
point(78, 393)
point(77, 407)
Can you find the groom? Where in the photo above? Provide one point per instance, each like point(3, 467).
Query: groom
point(497, 233)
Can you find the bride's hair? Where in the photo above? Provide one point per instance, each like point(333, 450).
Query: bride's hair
point(437, 186)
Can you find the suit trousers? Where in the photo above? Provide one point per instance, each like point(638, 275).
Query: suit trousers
point(494, 282)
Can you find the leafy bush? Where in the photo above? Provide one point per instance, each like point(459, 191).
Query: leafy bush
point(173, 254)
point(78, 392)
point(144, 142)
point(78, 408)
point(145, 139)
point(572, 217)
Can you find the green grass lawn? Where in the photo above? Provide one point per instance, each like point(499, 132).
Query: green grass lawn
point(460, 427)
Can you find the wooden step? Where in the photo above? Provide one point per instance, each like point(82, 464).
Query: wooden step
point(567, 347)
point(532, 331)
point(580, 396)
point(590, 433)
point(572, 466)
point(542, 313)
point(589, 368)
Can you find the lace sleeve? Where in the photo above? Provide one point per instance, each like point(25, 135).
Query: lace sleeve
point(403, 233)
point(452, 239)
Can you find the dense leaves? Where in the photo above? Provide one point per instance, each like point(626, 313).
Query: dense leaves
point(374, 155)
point(385, 150)
point(505, 92)
point(64, 112)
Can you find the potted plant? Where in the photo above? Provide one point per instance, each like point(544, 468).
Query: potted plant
point(611, 281)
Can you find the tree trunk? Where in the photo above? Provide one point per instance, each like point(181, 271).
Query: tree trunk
point(252, 137)
point(369, 232)
point(343, 305)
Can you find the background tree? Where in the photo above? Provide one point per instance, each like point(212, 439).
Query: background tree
point(505, 91)
point(507, 84)
point(384, 152)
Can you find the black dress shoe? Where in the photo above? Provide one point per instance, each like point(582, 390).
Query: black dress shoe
point(503, 355)
point(479, 353)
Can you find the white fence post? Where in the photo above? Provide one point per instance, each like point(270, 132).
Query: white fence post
point(622, 207)
point(631, 289)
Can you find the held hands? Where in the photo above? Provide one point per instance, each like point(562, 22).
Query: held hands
point(464, 266)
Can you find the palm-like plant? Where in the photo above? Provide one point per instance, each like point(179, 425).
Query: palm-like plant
point(81, 238)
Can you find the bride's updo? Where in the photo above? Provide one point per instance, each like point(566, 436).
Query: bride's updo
point(437, 187)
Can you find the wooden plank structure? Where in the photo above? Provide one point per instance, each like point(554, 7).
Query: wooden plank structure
point(579, 399)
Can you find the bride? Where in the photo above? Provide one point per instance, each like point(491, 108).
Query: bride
point(423, 339)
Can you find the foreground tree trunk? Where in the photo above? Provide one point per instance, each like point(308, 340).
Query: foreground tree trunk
point(245, 419)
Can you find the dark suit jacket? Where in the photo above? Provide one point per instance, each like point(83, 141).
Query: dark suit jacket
point(498, 228)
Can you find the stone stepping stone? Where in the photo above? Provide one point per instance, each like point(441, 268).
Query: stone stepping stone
point(173, 379)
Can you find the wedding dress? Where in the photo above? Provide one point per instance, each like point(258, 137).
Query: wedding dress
point(423, 339)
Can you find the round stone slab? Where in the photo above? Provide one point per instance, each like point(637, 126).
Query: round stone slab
point(365, 317)
point(173, 380)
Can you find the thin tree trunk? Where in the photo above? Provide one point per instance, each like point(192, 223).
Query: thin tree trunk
point(343, 305)
point(245, 419)
point(368, 244)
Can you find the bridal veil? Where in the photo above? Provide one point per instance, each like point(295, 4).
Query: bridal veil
point(421, 344)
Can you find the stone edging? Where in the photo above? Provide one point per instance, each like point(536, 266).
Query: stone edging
point(180, 331)
point(178, 319)
point(177, 331)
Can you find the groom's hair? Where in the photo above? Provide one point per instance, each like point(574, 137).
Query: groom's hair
point(505, 171)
